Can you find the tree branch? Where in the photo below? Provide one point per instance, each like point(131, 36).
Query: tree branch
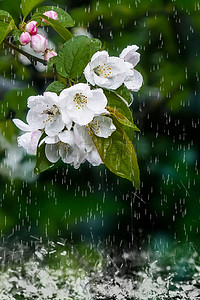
point(33, 59)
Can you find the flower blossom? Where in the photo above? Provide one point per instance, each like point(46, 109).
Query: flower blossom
point(25, 38)
point(29, 140)
point(38, 43)
point(49, 53)
point(101, 126)
point(81, 104)
point(51, 14)
point(63, 146)
point(107, 72)
point(134, 80)
point(31, 27)
point(45, 114)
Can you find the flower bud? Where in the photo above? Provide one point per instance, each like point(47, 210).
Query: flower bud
point(25, 38)
point(38, 43)
point(51, 14)
point(31, 27)
point(49, 53)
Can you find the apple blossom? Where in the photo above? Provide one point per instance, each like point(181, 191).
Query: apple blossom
point(81, 104)
point(63, 146)
point(93, 157)
point(31, 27)
point(130, 55)
point(51, 14)
point(107, 72)
point(25, 38)
point(38, 43)
point(45, 114)
point(134, 80)
point(49, 53)
point(101, 126)
point(30, 139)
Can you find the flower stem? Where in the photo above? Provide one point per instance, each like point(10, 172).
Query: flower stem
point(33, 59)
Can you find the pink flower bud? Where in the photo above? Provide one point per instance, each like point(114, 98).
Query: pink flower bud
point(25, 38)
point(38, 43)
point(51, 14)
point(49, 53)
point(31, 27)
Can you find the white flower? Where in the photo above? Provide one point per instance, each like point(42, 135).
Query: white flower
point(134, 80)
point(45, 114)
point(81, 104)
point(93, 157)
point(130, 55)
point(107, 72)
point(101, 126)
point(63, 146)
point(30, 139)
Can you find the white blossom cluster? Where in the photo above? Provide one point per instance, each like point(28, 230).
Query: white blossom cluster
point(70, 119)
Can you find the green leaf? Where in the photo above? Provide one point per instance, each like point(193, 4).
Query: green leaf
point(42, 163)
point(56, 87)
point(64, 32)
point(16, 33)
point(115, 102)
point(28, 5)
point(7, 24)
point(63, 17)
point(121, 118)
point(123, 92)
point(118, 154)
point(75, 55)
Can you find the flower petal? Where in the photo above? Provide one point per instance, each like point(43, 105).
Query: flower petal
point(55, 126)
point(67, 137)
point(102, 126)
point(97, 102)
point(134, 82)
point(81, 116)
point(51, 152)
point(83, 138)
point(35, 120)
point(21, 125)
point(51, 96)
point(130, 55)
point(94, 158)
point(33, 100)
point(29, 141)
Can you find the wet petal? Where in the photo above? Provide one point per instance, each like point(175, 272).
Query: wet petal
point(67, 137)
point(130, 55)
point(102, 126)
point(134, 82)
point(94, 158)
point(51, 152)
point(83, 138)
point(21, 125)
point(54, 126)
point(98, 101)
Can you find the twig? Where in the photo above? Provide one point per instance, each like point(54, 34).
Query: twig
point(31, 57)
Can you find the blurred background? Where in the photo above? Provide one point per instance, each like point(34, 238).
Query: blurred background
point(91, 205)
